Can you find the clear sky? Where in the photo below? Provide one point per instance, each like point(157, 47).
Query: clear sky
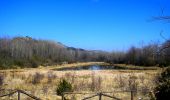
point(89, 24)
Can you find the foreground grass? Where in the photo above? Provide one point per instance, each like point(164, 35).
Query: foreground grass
point(42, 82)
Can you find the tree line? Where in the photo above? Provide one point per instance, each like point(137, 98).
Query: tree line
point(149, 55)
point(29, 52)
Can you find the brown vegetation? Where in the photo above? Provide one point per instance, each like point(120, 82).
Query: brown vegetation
point(26, 52)
point(42, 82)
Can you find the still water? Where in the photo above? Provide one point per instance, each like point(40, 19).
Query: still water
point(91, 67)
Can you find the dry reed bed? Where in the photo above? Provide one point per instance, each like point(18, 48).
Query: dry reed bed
point(42, 82)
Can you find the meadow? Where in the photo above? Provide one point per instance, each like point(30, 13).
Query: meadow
point(43, 81)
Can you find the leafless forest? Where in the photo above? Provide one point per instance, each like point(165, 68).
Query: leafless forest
point(29, 52)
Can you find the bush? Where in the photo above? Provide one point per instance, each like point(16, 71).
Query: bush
point(19, 62)
point(1, 80)
point(50, 76)
point(133, 84)
point(162, 90)
point(63, 86)
point(96, 82)
point(34, 64)
point(6, 63)
point(37, 78)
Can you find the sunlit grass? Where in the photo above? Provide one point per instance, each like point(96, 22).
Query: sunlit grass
point(82, 81)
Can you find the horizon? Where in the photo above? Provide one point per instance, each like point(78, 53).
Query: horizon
point(93, 24)
point(142, 44)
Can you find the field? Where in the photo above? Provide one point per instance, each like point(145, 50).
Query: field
point(42, 82)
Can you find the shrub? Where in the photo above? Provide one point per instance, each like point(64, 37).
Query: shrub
point(6, 63)
point(45, 90)
point(121, 82)
point(37, 78)
point(50, 76)
point(133, 84)
point(70, 77)
point(63, 86)
point(19, 62)
point(1, 80)
point(162, 90)
point(96, 83)
point(34, 64)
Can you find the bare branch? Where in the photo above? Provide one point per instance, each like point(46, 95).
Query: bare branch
point(161, 34)
point(163, 48)
point(163, 18)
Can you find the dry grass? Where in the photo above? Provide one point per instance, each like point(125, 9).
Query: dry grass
point(82, 81)
point(133, 67)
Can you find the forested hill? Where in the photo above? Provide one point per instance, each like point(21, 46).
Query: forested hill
point(29, 52)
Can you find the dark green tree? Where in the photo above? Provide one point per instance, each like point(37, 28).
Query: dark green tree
point(63, 86)
point(162, 91)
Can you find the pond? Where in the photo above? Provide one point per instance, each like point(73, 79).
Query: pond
point(91, 67)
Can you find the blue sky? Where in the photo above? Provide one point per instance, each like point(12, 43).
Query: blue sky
point(89, 24)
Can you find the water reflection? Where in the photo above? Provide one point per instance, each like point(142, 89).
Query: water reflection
point(92, 67)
